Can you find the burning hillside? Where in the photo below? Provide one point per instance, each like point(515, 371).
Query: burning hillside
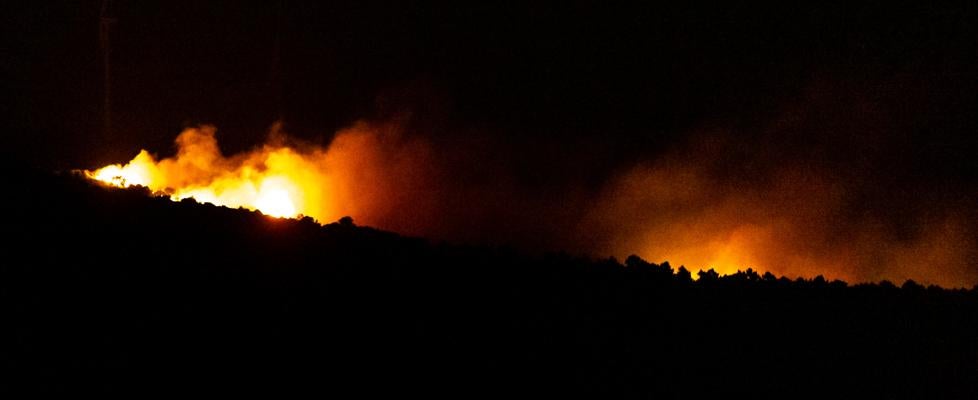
point(700, 205)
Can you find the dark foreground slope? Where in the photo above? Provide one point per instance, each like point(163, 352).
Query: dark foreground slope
point(114, 291)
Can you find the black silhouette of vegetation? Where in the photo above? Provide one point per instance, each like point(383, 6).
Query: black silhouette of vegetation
point(117, 291)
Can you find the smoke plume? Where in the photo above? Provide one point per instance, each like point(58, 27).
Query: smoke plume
point(820, 186)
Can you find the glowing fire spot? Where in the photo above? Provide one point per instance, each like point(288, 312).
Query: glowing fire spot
point(139, 171)
point(276, 180)
point(273, 199)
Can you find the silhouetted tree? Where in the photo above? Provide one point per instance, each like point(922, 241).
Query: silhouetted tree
point(634, 261)
point(683, 276)
point(911, 286)
point(838, 284)
point(708, 276)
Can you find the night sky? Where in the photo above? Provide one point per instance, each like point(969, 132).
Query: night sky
point(849, 130)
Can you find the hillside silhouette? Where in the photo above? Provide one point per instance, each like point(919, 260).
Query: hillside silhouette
point(110, 290)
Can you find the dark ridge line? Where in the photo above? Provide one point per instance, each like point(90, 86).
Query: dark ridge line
point(681, 275)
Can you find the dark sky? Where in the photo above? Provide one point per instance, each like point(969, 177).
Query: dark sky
point(637, 77)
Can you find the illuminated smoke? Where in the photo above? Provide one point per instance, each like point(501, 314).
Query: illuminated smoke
point(829, 186)
point(807, 194)
point(796, 220)
point(369, 172)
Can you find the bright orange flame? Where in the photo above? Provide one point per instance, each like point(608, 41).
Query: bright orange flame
point(725, 254)
point(140, 171)
point(274, 199)
point(276, 180)
point(370, 172)
point(795, 222)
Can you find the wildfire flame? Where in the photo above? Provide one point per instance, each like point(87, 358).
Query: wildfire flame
point(795, 222)
point(277, 180)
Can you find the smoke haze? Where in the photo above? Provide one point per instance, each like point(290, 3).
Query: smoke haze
point(819, 186)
